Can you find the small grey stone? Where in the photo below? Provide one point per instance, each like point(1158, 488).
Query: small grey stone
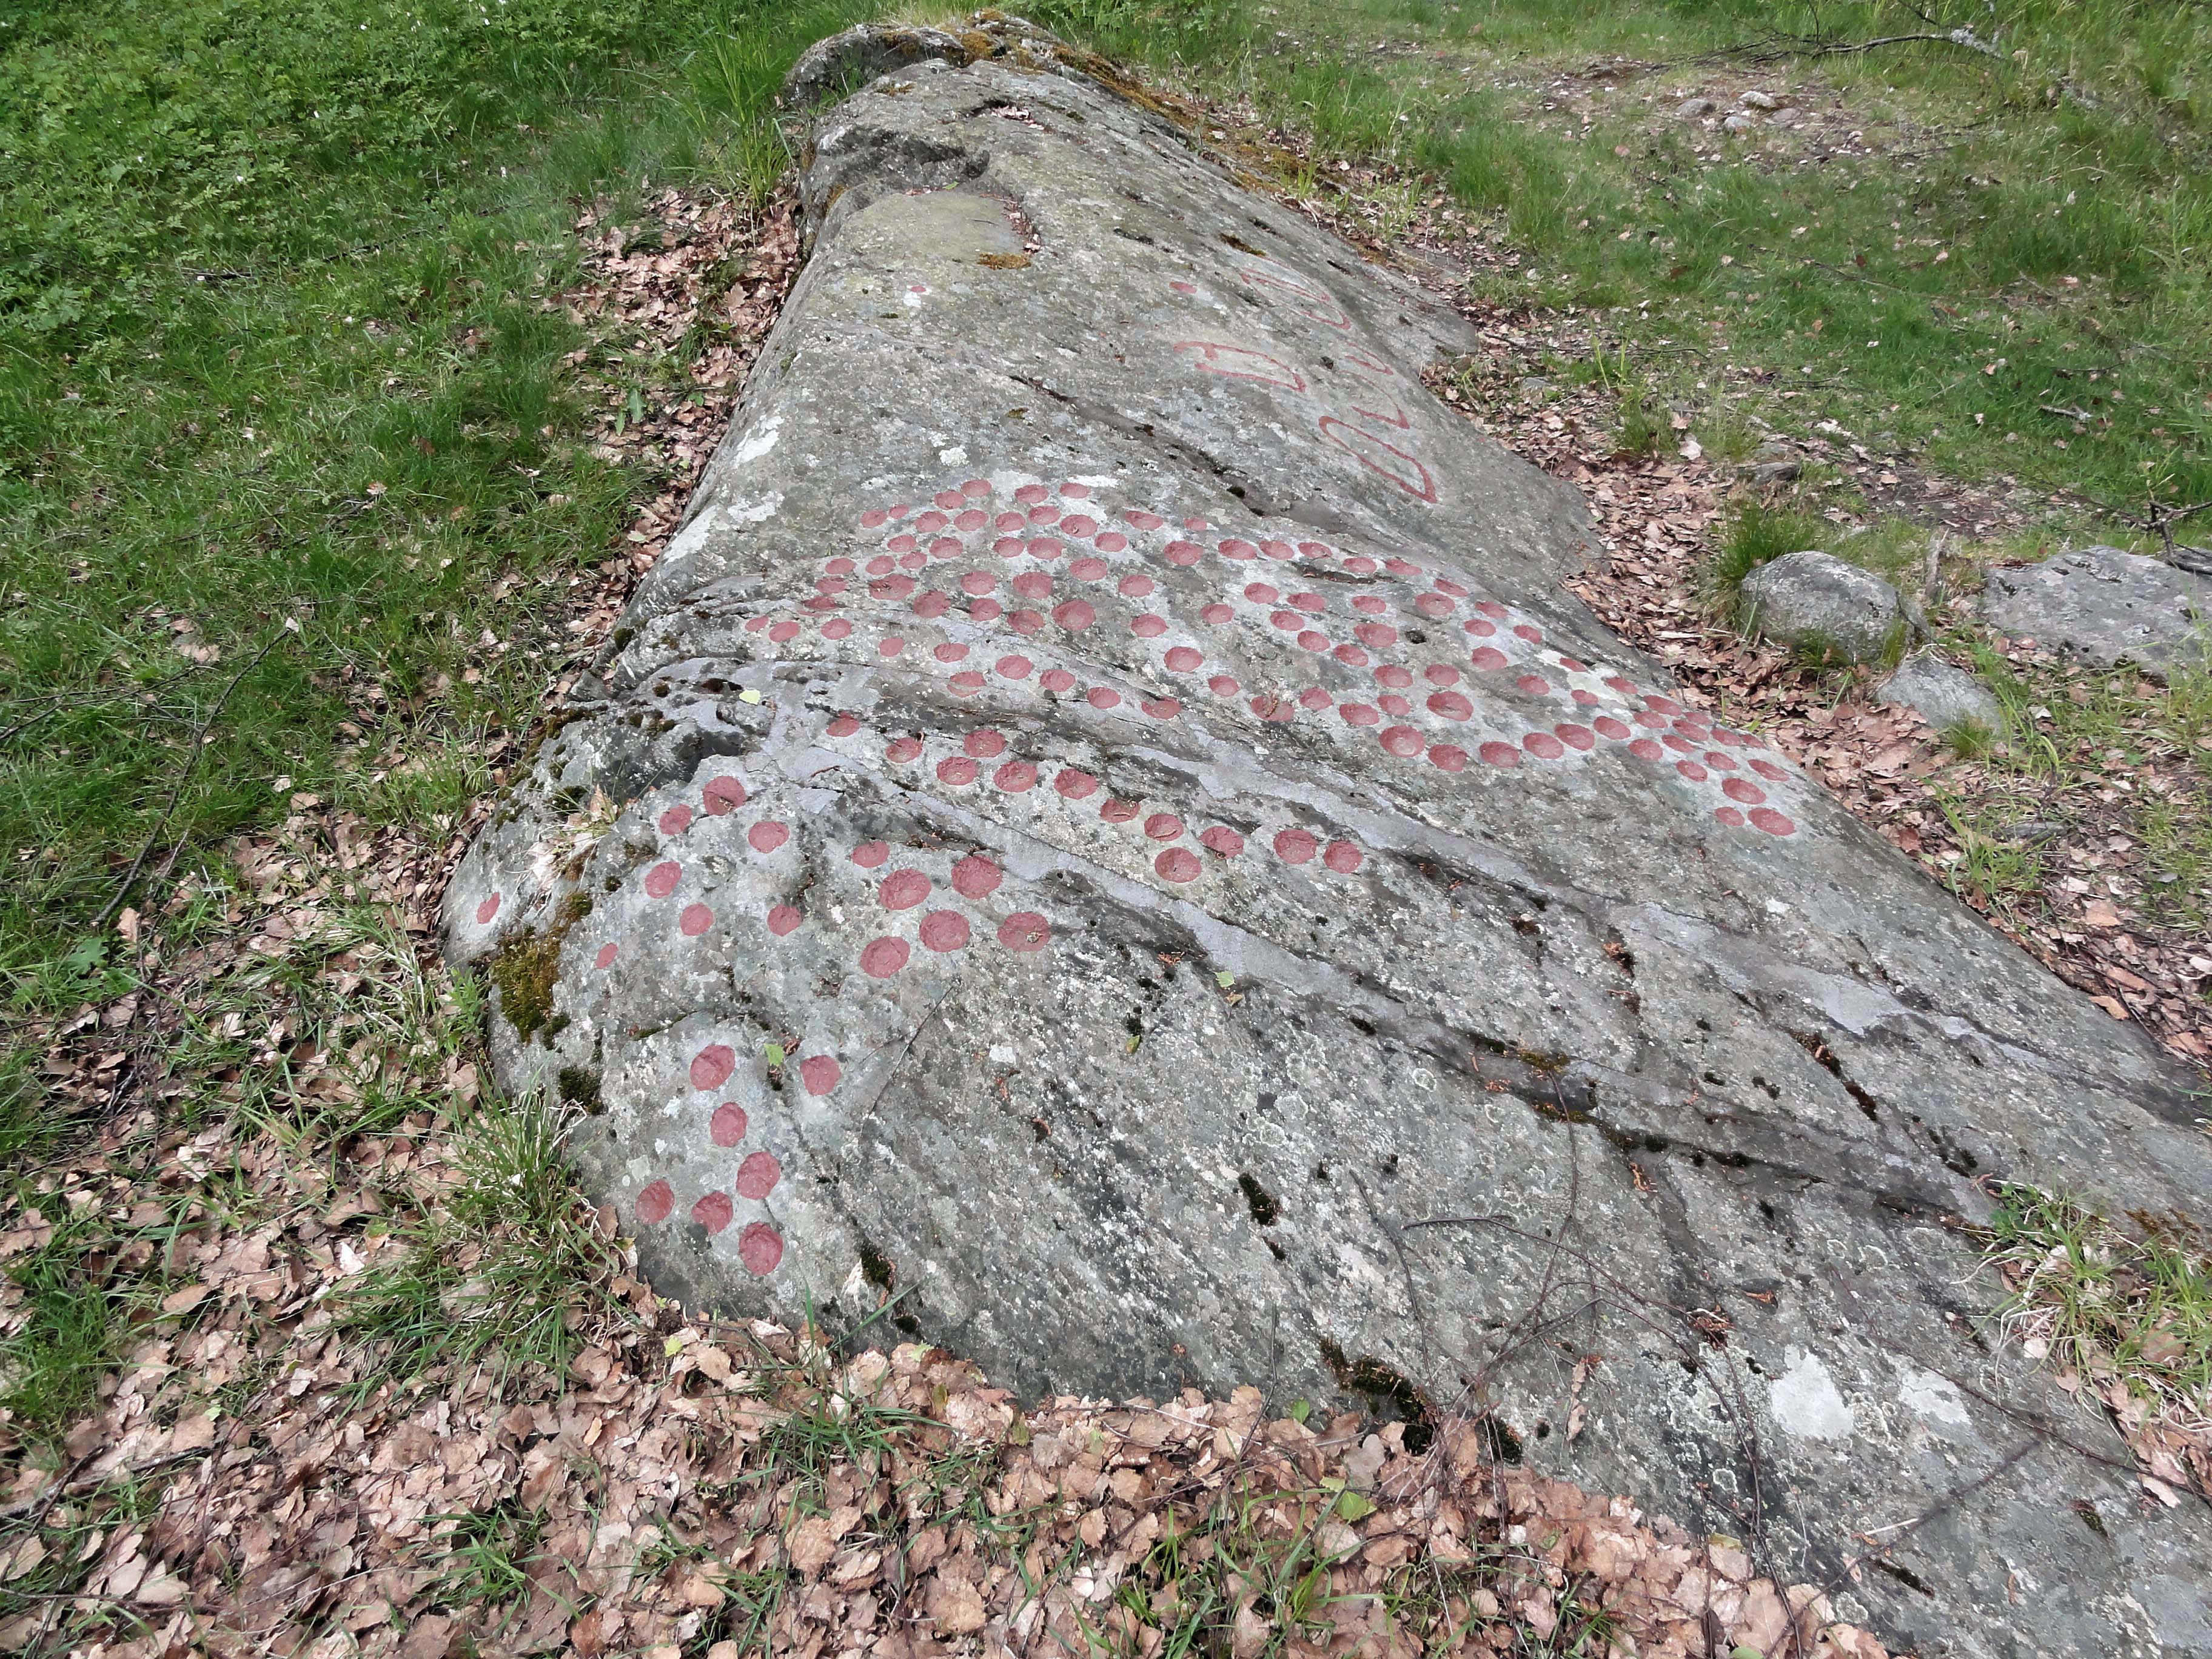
point(1787, 116)
point(1738, 124)
point(1772, 472)
point(1944, 695)
point(1691, 108)
point(862, 53)
point(1761, 100)
point(2104, 606)
point(1537, 388)
point(1815, 601)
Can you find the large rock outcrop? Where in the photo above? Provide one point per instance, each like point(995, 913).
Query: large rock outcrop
point(1106, 826)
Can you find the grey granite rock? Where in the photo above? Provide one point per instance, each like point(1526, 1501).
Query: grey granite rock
point(2106, 606)
point(1108, 825)
point(1945, 695)
point(1816, 602)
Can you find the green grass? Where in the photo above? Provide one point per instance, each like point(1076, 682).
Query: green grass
point(2071, 237)
point(2084, 1295)
point(286, 428)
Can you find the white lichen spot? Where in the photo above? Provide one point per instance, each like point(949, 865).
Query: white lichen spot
point(758, 511)
point(1002, 1054)
point(1935, 1398)
point(689, 539)
point(759, 442)
point(956, 456)
point(1806, 1402)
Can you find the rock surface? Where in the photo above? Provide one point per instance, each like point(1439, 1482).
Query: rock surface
point(1945, 695)
point(1107, 825)
point(1816, 602)
point(2106, 606)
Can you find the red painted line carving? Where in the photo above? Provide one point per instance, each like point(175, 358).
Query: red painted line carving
point(1401, 469)
point(1238, 362)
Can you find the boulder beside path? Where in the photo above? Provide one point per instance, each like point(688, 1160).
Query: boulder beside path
point(1105, 844)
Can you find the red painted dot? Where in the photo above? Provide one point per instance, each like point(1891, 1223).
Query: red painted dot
point(1395, 706)
point(1315, 550)
point(1720, 761)
point(950, 652)
point(1772, 822)
point(1651, 722)
point(871, 854)
point(695, 920)
point(1678, 743)
point(1608, 727)
point(1376, 636)
point(1344, 858)
point(1441, 673)
point(728, 1125)
point(873, 519)
point(1534, 635)
point(1057, 681)
point(1770, 771)
point(1111, 541)
point(767, 835)
point(654, 1203)
point(1543, 746)
point(784, 919)
point(1183, 554)
point(1371, 604)
point(712, 1065)
point(1445, 584)
point(1730, 817)
point(1162, 708)
point(1148, 627)
point(1164, 826)
point(757, 1175)
point(1075, 615)
point(844, 726)
point(929, 521)
point(1075, 785)
point(876, 567)
point(1014, 668)
point(1278, 549)
point(1534, 684)
point(784, 632)
point(660, 881)
point(676, 820)
point(1311, 639)
point(1103, 697)
point(1449, 756)
point(1222, 686)
point(984, 743)
point(712, 1212)
point(1393, 676)
point(902, 890)
point(1043, 547)
point(1627, 688)
point(1357, 714)
point(1140, 519)
point(966, 684)
point(1235, 548)
point(1220, 839)
point(971, 519)
point(944, 930)
point(1089, 570)
point(1644, 749)
point(1435, 605)
point(1402, 741)
point(760, 1247)
point(606, 958)
point(957, 771)
point(1007, 547)
point(1261, 594)
point(1479, 628)
point(1314, 698)
point(1025, 930)
point(1499, 754)
point(1178, 864)
point(1745, 790)
point(1118, 812)
point(889, 648)
point(1352, 656)
point(1398, 567)
point(1015, 777)
point(1488, 658)
point(820, 1074)
point(723, 795)
point(1451, 705)
point(932, 606)
point(1044, 513)
point(1182, 658)
point(835, 628)
point(487, 910)
point(1216, 615)
point(882, 957)
point(1575, 737)
point(975, 487)
point(975, 877)
point(1294, 845)
point(1359, 566)
point(1692, 770)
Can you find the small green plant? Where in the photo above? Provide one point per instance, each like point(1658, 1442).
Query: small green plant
point(1752, 534)
point(484, 1556)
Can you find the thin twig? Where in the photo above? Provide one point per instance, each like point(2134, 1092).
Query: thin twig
point(176, 794)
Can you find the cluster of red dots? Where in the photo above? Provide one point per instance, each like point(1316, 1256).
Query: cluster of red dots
point(1054, 560)
point(899, 889)
point(981, 758)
